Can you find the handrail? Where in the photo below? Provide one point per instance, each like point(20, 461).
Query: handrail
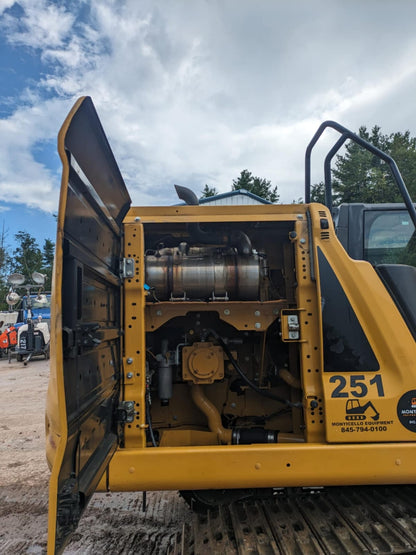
point(347, 134)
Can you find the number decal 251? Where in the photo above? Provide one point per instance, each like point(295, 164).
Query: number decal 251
point(357, 385)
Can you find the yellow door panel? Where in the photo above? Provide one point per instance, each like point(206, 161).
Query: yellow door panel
point(84, 388)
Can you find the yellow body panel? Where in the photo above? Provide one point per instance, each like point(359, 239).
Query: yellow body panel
point(259, 466)
point(314, 462)
point(134, 343)
point(394, 348)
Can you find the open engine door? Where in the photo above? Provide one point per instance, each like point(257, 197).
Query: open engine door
point(83, 393)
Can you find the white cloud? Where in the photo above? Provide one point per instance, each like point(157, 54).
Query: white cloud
point(42, 25)
point(5, 4)
point(23, 179)
point(195, 92)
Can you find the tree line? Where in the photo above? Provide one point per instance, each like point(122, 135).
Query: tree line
point(26, 258)
point(357, 176)
point(246, 180)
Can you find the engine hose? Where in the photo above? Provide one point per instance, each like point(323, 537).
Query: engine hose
point(252, 385)
point(149, 422)
point(211, 412)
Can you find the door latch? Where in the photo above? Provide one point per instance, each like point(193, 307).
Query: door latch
point(290, 325)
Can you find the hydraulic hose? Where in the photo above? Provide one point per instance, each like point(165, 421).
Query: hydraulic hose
point(252, 385)
point(149, 422)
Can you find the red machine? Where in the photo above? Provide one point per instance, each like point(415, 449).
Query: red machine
point(8, 338)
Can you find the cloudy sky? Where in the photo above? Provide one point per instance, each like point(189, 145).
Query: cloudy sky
point(192, 92)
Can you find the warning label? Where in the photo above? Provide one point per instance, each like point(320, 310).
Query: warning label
point(406, 410)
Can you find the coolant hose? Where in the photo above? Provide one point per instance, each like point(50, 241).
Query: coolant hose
point(211, 412)
point(289, 378)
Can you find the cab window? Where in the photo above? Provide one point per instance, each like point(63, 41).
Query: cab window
point(389, 237)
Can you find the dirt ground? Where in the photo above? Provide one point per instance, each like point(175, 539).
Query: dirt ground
point(113, 522)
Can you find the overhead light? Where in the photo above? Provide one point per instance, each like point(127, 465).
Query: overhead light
point(12, 298)
point(38, 278)
point(16, 279)
point(41, 299)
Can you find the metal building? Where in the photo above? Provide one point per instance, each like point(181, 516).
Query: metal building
point(242, 196)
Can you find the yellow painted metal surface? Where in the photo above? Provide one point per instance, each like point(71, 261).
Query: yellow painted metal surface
point(393, 346)
point(189, 214)
point(285, 465)
point(134, 377)
point(251, 315)
point(308, 305)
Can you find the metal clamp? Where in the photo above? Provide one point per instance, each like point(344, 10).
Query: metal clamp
point(125, 411)
point(127, 268)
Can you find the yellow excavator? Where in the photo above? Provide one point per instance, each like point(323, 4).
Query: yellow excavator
point(355, 411)
point(231, 353)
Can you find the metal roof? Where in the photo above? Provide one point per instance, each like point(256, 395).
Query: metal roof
point(242, 192)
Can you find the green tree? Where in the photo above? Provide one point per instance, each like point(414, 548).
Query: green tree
point(209, 192)
point(4, 270)
point(4, 258)
point(318, 192)
point(27, 257)
point(298, 200)
point(359, 176)
point(256, 185)
point(48, 252)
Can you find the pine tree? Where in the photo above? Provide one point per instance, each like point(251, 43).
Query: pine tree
point(47, 261)
point(4, 270)
point(209, 192)
point(360, 176)
point(257, 185)
point(27, 257)
point(318, 192)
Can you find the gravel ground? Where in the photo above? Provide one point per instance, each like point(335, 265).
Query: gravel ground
point(112, 523)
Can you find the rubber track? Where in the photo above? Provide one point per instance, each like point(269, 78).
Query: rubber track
point(379, 520)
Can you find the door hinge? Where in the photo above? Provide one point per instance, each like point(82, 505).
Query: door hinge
point(125, 411)
point(126, 268)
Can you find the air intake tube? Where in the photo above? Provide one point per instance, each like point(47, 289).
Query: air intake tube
point(246, 436)
point(237, 239)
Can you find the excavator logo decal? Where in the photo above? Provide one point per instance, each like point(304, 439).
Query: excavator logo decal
point(361, 417)
point(354, 410)
point(406, 410)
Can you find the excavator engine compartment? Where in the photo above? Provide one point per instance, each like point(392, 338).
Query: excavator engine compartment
point(222, 350)
point(217, 369)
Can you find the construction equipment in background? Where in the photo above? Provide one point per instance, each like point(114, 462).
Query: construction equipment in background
point(31, 336)
point(219, 352)
point(8, 340)
point(8, 318)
